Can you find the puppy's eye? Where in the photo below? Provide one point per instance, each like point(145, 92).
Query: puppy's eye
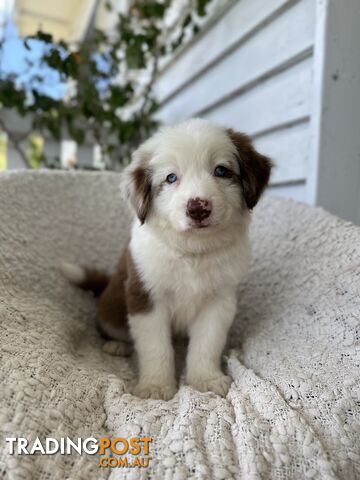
point(221, 171)
point(171, 178)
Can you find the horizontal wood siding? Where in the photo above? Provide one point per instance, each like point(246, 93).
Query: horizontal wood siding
point(253, 71)
point(296, 190)
point(282, 100)
point(242, 19)
point(290, 148)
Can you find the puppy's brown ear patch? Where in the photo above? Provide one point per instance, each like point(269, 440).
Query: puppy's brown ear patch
point(255, 168)
point(142, 194)
point(136, 184)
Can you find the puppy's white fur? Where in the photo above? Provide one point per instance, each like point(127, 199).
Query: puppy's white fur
point(189, 250)
point(191, 273)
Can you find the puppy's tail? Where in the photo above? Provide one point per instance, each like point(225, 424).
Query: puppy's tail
point(85, 278)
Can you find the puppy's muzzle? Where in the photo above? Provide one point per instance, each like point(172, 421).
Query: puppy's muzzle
point(198, 209)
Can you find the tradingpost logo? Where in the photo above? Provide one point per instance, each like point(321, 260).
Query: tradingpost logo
point(120, 452)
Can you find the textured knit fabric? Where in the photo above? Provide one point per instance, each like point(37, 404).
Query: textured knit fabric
point(293, 409)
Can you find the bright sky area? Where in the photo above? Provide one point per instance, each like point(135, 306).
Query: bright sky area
point(14, 56)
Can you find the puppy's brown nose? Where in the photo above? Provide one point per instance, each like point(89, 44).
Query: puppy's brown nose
point(198, 208)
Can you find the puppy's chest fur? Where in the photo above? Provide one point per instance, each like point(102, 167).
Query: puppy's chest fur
point(184, 283)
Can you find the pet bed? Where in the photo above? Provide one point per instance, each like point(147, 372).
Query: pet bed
point(293, 409)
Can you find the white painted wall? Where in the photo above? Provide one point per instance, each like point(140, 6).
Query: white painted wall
point(288, 73)
point(252, 70)
point(267, 67)
point(334, 171)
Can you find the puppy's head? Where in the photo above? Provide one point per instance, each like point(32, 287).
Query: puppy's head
point(195, 177)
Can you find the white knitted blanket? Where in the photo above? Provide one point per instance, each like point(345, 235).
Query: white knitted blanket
point(293, 409)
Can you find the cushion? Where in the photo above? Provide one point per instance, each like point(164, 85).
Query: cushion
point(293, 409)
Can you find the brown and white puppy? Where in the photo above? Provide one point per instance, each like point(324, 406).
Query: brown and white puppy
point(192, 187)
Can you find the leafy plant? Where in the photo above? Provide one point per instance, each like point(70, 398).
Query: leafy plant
point(108, 80)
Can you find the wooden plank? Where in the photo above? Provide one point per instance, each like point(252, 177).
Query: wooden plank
point(284, 38)
point(334, 177)
point(289, 149)
point(241, 19)
point(281, 100)
point(215, 11)
point(297, 191)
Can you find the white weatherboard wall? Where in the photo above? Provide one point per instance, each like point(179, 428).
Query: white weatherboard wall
point(254, 69)
point(334, 170)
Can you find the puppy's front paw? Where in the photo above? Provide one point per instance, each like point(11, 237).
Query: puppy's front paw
point(219, 384)
point(161, 392)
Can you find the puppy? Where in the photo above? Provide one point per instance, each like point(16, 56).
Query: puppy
point(192, 187)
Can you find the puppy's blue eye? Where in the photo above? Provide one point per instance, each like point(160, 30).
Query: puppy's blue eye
point(221, 171)
point(171, 178)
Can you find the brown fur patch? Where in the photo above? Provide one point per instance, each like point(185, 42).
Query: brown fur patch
point(137, 298)
point(255, 168)
point(95, 281)
point(112, 303)
point(142, 192)
point(124, 294)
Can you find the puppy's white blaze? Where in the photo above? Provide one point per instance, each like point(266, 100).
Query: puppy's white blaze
point(74, 273)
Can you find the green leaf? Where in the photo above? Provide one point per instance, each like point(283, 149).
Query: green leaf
point(54, 60)
point(176, 44)
point(77, 134)
point(187, 21)
point(134, 57)
point(35, 151)
point(149, 9)
point(89, 111)
point(201, 7)
point(43, 36)
point(26, 43)
point(196, 29)
point(70, 65)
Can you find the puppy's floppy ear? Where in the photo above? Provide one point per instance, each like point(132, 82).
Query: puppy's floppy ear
point(136, 183)
point(255, 168)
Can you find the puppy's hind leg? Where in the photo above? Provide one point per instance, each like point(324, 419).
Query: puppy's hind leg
point(118, 341)
point(121, 349)
point(112, 319)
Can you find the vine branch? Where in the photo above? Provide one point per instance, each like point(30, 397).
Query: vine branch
point(105, 100)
